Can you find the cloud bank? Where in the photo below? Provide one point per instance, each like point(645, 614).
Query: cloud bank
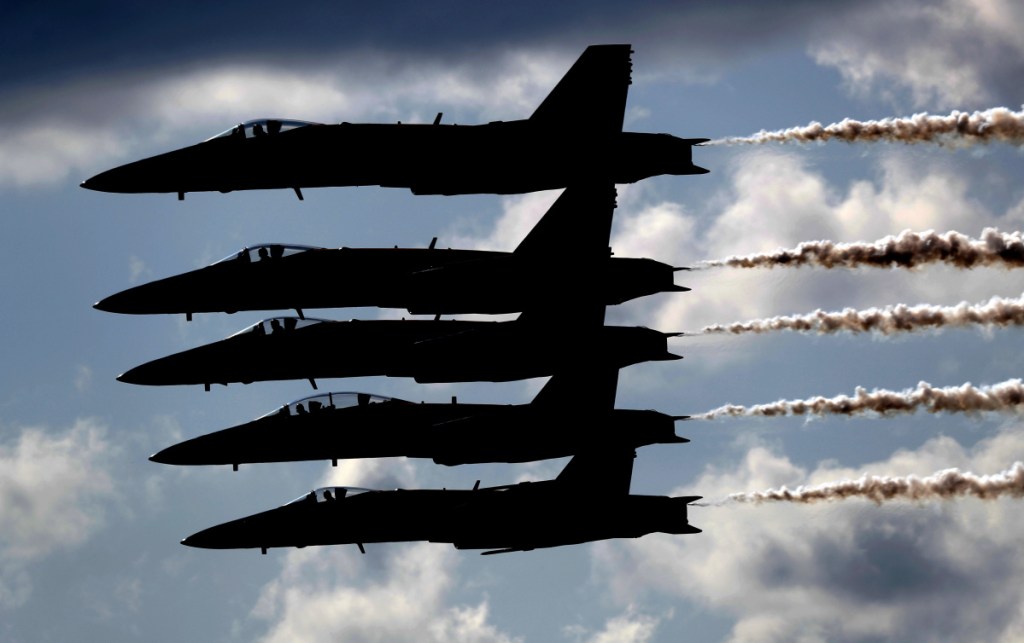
point(842, 571)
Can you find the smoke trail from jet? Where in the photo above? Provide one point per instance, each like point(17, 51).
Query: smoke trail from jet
point(905, 250)
point(901, 318)
point(1005, 397)
point(943, 485)
point(957, 129)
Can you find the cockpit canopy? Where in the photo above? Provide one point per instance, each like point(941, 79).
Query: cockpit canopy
point(329, 494)
point(330, 401)
point(261, 127)
point(279, 325)
point(266, 251)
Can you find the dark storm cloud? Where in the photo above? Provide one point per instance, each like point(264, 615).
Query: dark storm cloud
point(897, 559)
point(65, 39)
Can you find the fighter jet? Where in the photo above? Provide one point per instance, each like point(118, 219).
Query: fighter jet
point(564, 257)
point(574, 135)
point(589, 500)
point(565, 418)
point(427, 350)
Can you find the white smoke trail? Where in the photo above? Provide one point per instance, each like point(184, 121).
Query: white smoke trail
point(943, 485)
point(1005, 397)
point(958, 129)
point(905, 250)
point(900, 318)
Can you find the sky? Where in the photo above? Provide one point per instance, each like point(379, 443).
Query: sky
point(90, 529)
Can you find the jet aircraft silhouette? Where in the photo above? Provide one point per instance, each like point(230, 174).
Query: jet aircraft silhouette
point(589, 500)
point(566, 417)
point(574, 136)
point(565, 257)
point(427, 350)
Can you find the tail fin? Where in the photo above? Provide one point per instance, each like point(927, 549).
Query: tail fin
point(592, 94)
point(577, 227)
point(593, 389)
point(607, 472)
point(570, 240)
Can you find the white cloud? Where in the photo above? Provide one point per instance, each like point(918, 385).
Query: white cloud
point(319, 597)
point(843, 571)
point(326, 593)
point(137, 268)
point(950, 53)
point(83, 378)
point(46, 152)
point(628, 627)
point(53, 489)
point(520, 214)
point(774, 200)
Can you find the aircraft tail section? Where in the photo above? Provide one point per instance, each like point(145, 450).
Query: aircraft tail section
point(592, 94)
point(606, 472)
point(592, 389)
point(576, 227)
point(570, 242)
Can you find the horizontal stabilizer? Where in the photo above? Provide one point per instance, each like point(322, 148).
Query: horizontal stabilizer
point(509, 550)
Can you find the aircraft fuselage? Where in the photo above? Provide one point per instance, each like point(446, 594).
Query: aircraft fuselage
point(421, 280)
point(427, 350)
point(497, 158)
point(517, 517)
point(450, 434)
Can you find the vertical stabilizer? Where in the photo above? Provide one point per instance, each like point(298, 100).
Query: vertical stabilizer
point(606, 472)
point(592, 390)
point(592, 94)
point(570, 244)
point(577, 227)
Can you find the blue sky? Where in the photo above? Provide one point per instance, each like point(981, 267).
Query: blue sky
point(89, 543)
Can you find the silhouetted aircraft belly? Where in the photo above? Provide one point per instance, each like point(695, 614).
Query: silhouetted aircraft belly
point(422, 280)
point(427, 350)
point(335, 426)
point(511, 518)
point(574, 136)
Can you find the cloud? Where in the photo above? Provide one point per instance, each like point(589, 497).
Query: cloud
point(53, 491)
point(774, 199)
point(629, 627)
point(846, 571)
point(87, 125)
point(948, 53)
point(83, 378)
point(520, 214)
point(329, 593)
point(112, 34)
point(321, 596)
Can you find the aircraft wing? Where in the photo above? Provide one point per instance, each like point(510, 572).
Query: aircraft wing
point(592, 94)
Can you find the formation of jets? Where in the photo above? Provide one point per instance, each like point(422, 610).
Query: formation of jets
point(560, 279)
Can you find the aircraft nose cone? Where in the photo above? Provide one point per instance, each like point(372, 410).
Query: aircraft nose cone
point(148, 373)
point(103, 182)
point(205, 539)
point(165, 456)
point(111, 304)
point(127, 302)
